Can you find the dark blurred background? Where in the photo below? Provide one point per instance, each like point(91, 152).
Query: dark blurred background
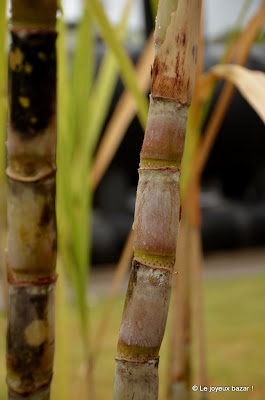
point(233, 186)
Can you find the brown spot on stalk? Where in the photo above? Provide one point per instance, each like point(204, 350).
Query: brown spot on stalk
point(183, 38)
point(29, 340)
point(133, 279)
point(54, 244)
point(28, 68)
point(36, 332)
point(16, 59)
point(42, 187)
point(180, 38)
point(47, 214)
point(155, 69)
point(42, 56)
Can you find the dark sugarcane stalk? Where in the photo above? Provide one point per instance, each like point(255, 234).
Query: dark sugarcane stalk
point(157, 203)
point(31, 167)
point(3, 114)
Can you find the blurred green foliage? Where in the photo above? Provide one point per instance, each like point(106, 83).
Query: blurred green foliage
point(84, 99)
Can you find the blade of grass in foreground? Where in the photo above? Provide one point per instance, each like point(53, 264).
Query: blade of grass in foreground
point(104, 84)
point(83, 104)
point(125, 65)
point(82, 111)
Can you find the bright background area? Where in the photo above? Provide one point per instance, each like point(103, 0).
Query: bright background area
point(220, 14)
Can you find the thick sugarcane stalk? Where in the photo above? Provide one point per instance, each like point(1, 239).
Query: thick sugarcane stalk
point(32, 243)
point(157, 203)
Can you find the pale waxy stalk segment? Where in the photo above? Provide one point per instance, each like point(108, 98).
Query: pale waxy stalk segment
point(158, 202)
point(32, 238)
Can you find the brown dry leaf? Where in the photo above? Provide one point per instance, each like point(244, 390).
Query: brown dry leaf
point(251, 84)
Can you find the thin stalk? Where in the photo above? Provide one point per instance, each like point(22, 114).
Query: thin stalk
point(239, 51)
point(197, 290)
point(32, 238)
point(61, 386)
point(111, 38)
point(180, 369)
point(157, 206)
point(3, 115)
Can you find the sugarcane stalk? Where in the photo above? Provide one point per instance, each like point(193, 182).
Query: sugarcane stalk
point(180, 369)
point(31, 167)
point(180, 366)
point(157, 204)
point(3, 114)
point(197, 289)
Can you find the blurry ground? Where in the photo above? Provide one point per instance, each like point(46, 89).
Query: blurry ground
point(234, 311)
point(241, 262)
point(235, 263)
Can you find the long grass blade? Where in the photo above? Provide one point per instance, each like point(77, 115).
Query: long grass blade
point(197, 290)
point(126, 68)
point(179, 370)
point(104, 85)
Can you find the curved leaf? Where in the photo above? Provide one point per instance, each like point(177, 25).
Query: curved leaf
point(251, 84)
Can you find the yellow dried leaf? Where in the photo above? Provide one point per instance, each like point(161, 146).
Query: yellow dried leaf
point(251, 84)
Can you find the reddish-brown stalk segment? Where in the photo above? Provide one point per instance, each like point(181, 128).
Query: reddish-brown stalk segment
point(155, 236)
point(157, 204)
point(165, 134)
point(174, 68)
point(32, 238)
